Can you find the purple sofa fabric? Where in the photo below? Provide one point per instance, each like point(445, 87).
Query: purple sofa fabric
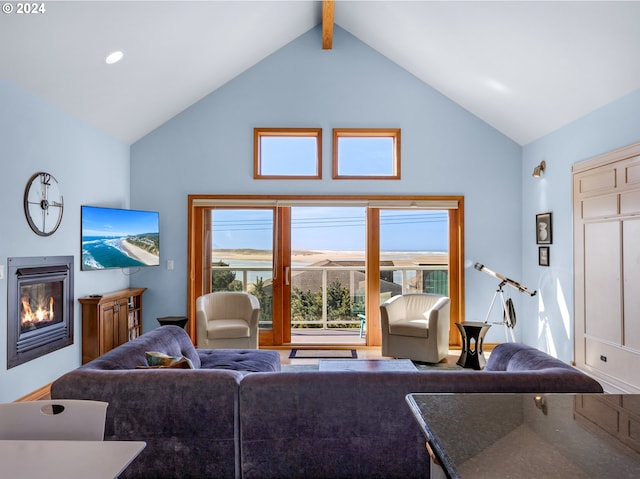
point(171, 340)
point(521, 357)
point(212, 422)
point(358, 425)
point(187, 417)
point(175, 341)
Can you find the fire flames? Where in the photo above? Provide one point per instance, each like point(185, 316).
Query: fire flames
point(40, 315)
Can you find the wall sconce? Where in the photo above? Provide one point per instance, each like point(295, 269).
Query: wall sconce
point(538, 170)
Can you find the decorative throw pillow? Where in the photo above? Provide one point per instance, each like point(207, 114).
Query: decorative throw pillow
point(160, 360)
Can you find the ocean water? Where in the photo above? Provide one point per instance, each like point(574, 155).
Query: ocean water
point(101, 252)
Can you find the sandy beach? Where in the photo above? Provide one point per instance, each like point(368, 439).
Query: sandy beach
point(140, 254)
point(312, 257)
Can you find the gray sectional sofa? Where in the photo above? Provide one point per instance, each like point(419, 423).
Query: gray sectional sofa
point(238, 416)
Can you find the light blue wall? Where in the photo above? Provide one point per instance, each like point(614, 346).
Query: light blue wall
point(91, 169)
point(209, 147)
point(445, 151)
point(547, 320)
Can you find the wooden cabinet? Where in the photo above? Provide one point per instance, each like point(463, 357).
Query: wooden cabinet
point(606, 218)
point(110, 320)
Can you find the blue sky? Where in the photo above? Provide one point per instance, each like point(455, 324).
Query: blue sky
point(366, 155)
point(330, 228)
point(333, 228)
point(294, 156)
point(298, 155)
point(117, 222)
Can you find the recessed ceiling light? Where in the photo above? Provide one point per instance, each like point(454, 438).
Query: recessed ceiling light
point(114, 57)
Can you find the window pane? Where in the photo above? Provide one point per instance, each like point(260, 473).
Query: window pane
point(287, 153)
point(242, 255)
point(288, 156)
point(366, 153)
point(414, 254)
point(328, 269)
point(365, 156)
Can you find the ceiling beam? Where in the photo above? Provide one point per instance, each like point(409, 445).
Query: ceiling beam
point(328, 7)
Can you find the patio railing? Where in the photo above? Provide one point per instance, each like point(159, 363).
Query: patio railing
point(328, 297)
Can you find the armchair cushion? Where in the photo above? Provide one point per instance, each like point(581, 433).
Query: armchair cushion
point(410, 327)
point(228, 328)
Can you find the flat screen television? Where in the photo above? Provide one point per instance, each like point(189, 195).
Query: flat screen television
point(119, 238)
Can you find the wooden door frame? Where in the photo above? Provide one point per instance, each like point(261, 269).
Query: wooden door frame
point(199, 204)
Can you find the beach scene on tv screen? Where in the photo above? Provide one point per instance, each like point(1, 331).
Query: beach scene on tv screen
point(116, 238)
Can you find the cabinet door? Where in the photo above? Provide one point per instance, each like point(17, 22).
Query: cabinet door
point(109, 326)
point(122, 321)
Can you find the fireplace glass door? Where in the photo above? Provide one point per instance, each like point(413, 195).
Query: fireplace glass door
point(41, 305)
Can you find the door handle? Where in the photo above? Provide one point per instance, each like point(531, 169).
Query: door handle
point(287, 270)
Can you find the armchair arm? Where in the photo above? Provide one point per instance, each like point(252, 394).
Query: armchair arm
point(391, 310)
point(255, 311)
point(201, 324)
point(439, 320)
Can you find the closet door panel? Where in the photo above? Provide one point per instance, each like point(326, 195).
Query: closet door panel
point(602, 281)
point(630, 203)
point(631, 271)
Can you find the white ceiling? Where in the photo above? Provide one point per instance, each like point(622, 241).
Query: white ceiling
point(526, 68)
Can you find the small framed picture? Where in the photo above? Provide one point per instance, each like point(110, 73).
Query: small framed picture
point(543, 228)
point(543, 255)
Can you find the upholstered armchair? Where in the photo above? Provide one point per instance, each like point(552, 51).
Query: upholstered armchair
point(415, 326)
point(227, 320)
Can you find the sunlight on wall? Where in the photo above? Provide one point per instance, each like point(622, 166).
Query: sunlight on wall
point(544, 331)
point(546, 312)
point(564, 309)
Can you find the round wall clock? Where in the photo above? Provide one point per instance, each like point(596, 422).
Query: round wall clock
point(43, 203)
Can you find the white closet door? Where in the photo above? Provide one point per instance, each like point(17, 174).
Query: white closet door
point(631, 265)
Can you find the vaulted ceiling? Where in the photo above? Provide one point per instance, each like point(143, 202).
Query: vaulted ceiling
point(526, 68)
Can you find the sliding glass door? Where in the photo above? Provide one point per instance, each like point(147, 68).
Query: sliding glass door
point(321, 268)
point(327, 274)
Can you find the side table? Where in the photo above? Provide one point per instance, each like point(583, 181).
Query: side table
point(472, 334)
point(173, 320)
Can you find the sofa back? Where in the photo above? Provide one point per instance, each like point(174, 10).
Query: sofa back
point(358, 424)
point(171, 340)
point(522, 357)
point(187, 417)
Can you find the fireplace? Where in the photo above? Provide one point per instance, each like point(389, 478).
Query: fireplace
point(39, 307)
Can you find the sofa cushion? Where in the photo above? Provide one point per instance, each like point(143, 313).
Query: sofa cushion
point(246, 360)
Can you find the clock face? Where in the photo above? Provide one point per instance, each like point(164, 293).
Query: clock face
point(43, 204)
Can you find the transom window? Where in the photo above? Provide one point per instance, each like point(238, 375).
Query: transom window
point(366, 153)
point(291, 153)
